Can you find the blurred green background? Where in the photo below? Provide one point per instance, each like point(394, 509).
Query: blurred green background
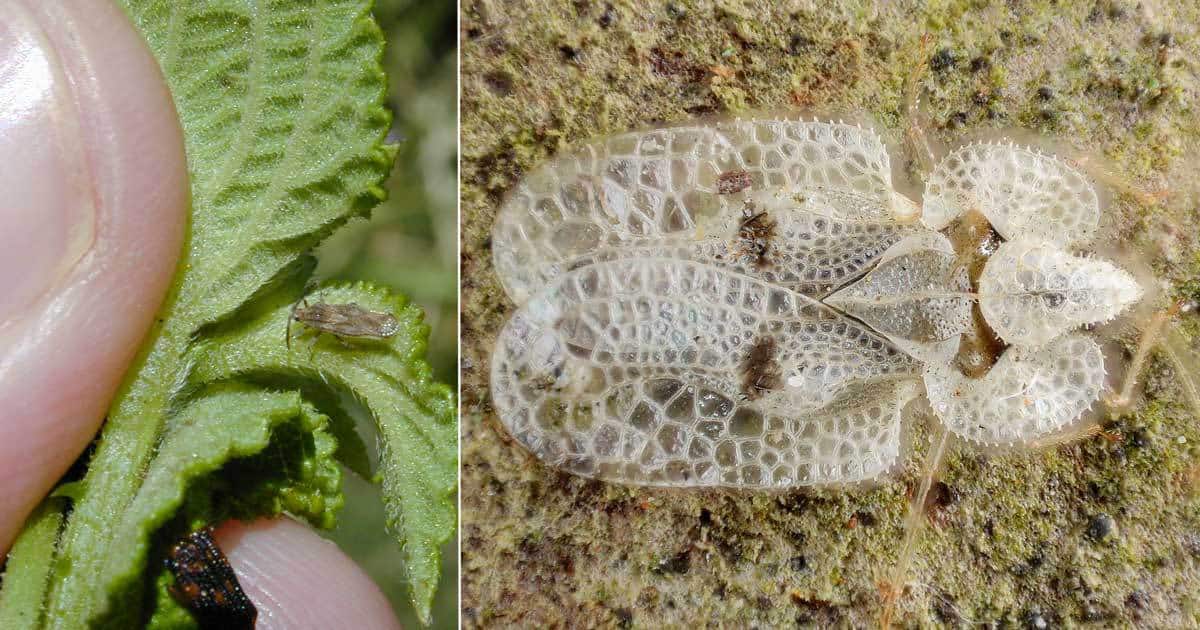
point(410, 244)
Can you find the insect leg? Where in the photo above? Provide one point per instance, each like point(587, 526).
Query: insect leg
point(1151, 336)
point(1084, 432)
point(913, 526)
point(312, 347)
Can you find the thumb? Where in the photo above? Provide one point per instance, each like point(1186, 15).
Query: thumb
point(93, 201)
point(298, 580)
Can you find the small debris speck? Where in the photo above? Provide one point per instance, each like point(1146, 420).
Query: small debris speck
point(608, 17)
point(570, 53)
point(678, 563)
point(1100, 527)
point(1137, 600)
point(798, 44)
point(1191, 542)
point(1091, 613)
point(943, 60)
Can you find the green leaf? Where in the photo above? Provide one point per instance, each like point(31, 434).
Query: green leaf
point(295, 473)
point(415, 416)
point(223, 427)
point(28, 569)
point(282, 106)
point(281, 103)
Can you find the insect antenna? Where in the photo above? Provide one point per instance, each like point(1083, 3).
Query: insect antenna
point(912, 101)
point(1145, 196)
point(292, 313)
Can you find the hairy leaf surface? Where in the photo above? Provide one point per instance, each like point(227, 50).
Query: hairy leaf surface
point(281, 103)
point(414, 415)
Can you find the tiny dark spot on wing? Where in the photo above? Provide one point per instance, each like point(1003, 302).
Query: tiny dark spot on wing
point(734, 181)
point(760, 368)
point(756, 234)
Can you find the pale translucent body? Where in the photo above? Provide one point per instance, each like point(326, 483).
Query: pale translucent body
point(677, 329)
point(1033, 291)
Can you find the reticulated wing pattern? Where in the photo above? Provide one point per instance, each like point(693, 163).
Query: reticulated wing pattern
point(1029, 393)
point(669, 372)
point(1032, 291)
point(638, 188)
point(811, 243)
point(1023, 193)
point(916, 292)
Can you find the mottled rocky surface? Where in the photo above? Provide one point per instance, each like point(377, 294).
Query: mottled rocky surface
point(1102, 531)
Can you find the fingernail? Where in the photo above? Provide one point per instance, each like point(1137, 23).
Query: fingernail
point(47, 206)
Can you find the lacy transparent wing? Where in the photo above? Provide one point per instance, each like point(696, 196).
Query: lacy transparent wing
point(1022, 192)
point(668, 372)
point(1029, 393)
point(656, 188)
point(805, 243)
